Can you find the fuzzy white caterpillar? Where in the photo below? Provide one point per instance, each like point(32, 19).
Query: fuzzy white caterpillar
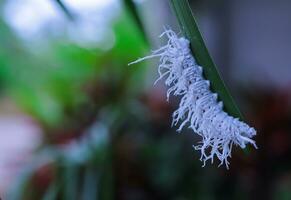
point(199, 108)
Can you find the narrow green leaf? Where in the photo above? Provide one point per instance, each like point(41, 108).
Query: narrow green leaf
point(65, 9)
point(70, 173)
point(52, 192)
point(191, 31)
point(129, 4)
point(90, 184)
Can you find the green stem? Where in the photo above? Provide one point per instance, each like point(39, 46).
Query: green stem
point(191, 31)
point(65, 9)
point(134, 12)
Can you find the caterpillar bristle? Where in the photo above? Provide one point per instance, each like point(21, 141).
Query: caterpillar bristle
point(198, 106)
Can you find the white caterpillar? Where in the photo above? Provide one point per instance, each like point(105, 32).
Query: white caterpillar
point(199, 108)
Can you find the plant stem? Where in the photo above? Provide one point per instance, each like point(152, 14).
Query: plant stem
point(65, 9)
point(134, 12)
point(191, 31)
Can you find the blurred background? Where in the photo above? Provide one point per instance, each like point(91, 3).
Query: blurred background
point(77, 123)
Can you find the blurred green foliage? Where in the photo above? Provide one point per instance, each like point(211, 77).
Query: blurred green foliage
point(49, 81)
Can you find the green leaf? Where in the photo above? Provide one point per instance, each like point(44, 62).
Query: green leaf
point(65, 9)
point(70, 173)
point(52, 192)
point(90, 183)
point(191, 31)
point(133, 11)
